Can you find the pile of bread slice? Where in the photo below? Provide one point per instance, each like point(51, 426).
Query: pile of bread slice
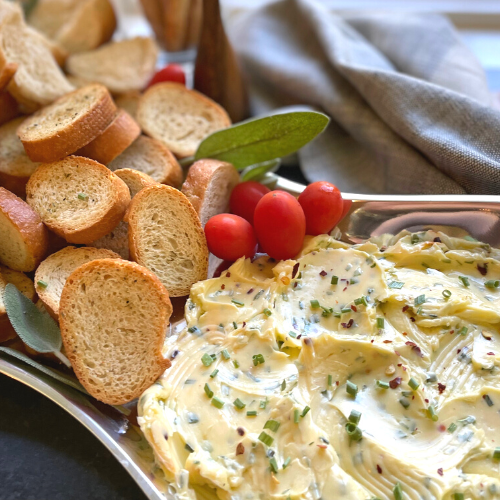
point(97, 224)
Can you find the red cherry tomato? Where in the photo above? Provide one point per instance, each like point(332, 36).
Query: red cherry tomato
point(280, 225)
point(323, 206)
point(170, 73)
point(230, 237)
point(345, 208)
point(245, 197)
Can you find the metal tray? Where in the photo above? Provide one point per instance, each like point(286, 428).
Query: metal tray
point(370, 215)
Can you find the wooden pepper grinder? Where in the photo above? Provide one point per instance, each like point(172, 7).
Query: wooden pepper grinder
point(216, 72)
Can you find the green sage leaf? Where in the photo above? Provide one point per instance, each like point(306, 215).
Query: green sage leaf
point(263, 139)
point(61, 377)
point(35, 328)
point(256, 172)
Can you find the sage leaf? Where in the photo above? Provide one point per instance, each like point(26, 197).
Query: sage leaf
point(61, 377)
point(263, 139)
point(256, 172)
point(35, 328)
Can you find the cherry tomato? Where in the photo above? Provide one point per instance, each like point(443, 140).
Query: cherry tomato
point(245, 197)
point(323, 206)
point(230, 237)
point(280, 225)
point(170, 73)
point(345, 208)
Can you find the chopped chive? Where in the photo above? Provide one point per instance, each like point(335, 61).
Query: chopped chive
point(267, 312)
point(335, 280)
point(353, 431)
point(214, 373)
point(361, 301)
point(353, 281)
point(314, 304)
point(452, 428)
point(292, 334)
point(382, 385)
point(42, 284)
point(351, 389)
point(419, 300)
point(218, 403)
point(283, 385)
point(413, 384)
point(225, 354)
point(458, 496)
point(380, 322)
point(208, 391)
point(83, 196)
point(355, 416)
point(207, 360)
point(431, 412)
point(258, 359)
point(398, 492)
point(488, 400)
point(251, 413)
point(496, 453)
point(286, 463)
point(236, 363)
point(188, 448)
point(237, 303)
point(296, 416)
point(463, 331)
point(305, 411)
point(263, 404)
point(446, 294)
point(404, 403)
point(330, 380)
point(239, 404)
point(273, 464)
point(345, 310)
point(415, 239)
point(266, 438)
point(193, 329)
point(464, 280)
point(492, 283)
point(272, 425)
point(327, 311)
point(396, 284)
point(235, 325)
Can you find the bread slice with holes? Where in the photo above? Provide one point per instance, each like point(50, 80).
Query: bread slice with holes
point(68, 124)
point(179, 117)
point(122, 66)
point(38, 79)
point(165, 235)
point(23, 237)
point(52, 273)
point(78, 198)
point(135, 180)
point(15, 166)
point(152, 158)
point(208, 186)
point(114, 316)
point(118, 136)
point(116, 241)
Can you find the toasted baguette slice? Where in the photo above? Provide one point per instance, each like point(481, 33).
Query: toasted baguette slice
point(208, 187)
point(15, 166)
point(77, 25)
point(121, 66)
point(68, 124)
point(38, 80)
point(129, 101)
point(179, 117)
point(135, 180)
point(23, 237)
point(60, 55)
point(151, 157)
point(117, 137)
point(165, 235)
point(77, 198)
point(8, 108)
point(114, 316)
point(116, 241)
point(6, 74)
point(52, 273)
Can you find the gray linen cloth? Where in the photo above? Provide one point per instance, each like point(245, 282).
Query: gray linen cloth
point(410, 108)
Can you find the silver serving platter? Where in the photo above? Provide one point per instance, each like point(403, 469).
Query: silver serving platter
point(370, 215)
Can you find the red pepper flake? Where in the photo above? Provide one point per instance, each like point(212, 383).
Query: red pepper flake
point(295, 270)
point(483, 269)
point(404, 368)
point(337, 383)
point(414, 347)
point(240, 449)
point(344, 289)
point(348, 325)
point(490, 353)
point(440, 471)
point(299, 337)
point(452, 331)
point(387, 341)
point(441, 388)
point(412, 318)
point(228, 274)
point(322, 446)
point(307, 341)
point(426, 400)
point(222, 287)
point(394, 383)
point(405, 308)
point(485, 335)
point(354, 308)
point(458, 351)
point(244, 324)
point(383, 248)
point(379, 469)
point(323, 273)
point(240, 431)
point(400, 364)
point(405, 334)
point(250, 291)
point(437, 239)
point(397, 353)
point(372, 341)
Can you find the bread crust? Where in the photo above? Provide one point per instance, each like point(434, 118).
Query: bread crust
point(155, 366)
point(118, 136)
point(8, 107)
point(30, 227)
point(135, 179)
point(79, 133)
point(100, 228)
point(6, 73)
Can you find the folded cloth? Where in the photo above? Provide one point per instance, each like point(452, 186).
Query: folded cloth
point(409, 103)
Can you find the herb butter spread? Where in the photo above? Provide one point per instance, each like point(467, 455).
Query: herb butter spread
point(354, 372)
